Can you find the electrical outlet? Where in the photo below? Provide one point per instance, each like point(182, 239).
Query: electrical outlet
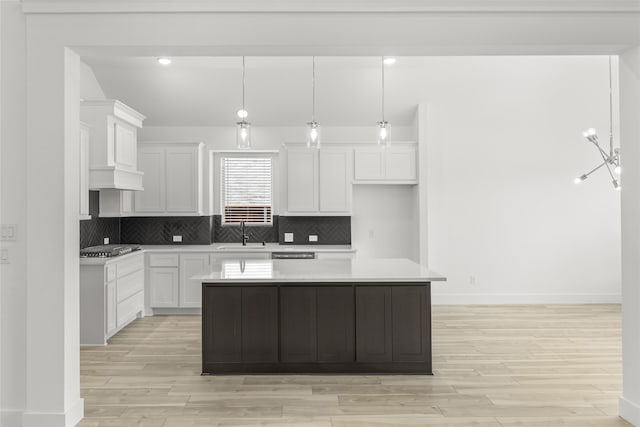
point(288, 237)
point(4, 256)
point(177, 239)
point(371, 234)
point(472, 280)
point(105, 241)
point(313, 237)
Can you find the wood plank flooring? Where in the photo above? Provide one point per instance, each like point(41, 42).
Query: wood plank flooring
point(494, 366)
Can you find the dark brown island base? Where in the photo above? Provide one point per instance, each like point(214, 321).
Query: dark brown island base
point(317, 316)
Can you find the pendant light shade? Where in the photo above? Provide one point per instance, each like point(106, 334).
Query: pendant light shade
point(243, 128)
point(313, 127)
point(382, 130)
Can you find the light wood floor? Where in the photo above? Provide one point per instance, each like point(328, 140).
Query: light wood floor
point(495, 366)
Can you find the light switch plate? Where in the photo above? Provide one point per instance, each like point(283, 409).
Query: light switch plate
point(105, 241)
point(313, 237)
point(4, 256)
point(177, 239)
point(8, 232)
point(288, 237)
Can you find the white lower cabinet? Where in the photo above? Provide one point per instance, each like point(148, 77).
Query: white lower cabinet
point(191, 290)
point(111, 297)
point(169, 279)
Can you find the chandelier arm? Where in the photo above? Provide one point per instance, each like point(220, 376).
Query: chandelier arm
point(605, 159)
point(594, 169)
point(602, 152)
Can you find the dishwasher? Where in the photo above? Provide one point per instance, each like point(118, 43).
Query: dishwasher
point(293, 255)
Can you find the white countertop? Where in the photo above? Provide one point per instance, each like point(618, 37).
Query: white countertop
point(225, 248)
point(251, 247)
point(318, 271)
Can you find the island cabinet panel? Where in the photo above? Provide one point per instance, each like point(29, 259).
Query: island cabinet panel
point(373, 324)
point(336, 324)
point(260, 324)
point(411, 329)
point(222, 325)
point(298, 336)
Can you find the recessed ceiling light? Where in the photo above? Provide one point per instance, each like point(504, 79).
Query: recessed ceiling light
point(389, 61)
point(164, 61)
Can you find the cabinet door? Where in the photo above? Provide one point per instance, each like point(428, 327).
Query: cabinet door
point(84, 172)
point(222, 324)
point(152, 162)
point(163, 287)
point(373, 324)
point(335, 180)
point(191, 290)
point(335, 324)
point(259, 324)
point(400, 163)
point(110, 307)
point(298, 324)
point(369, 164)
point(302, 175)
point(411, 329)
point(182, 180)
point(125, 146)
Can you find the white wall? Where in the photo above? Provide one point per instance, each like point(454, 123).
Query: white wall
point(13, 211)
point(503, 146)
point(90, 89)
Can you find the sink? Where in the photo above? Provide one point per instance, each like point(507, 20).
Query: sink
point(241, 248)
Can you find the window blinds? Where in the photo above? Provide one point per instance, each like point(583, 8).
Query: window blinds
point(247, 190)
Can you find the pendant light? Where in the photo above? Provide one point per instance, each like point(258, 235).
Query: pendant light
point(313, 127)
point(609, 159)
point(383, 125)
point(243, 128)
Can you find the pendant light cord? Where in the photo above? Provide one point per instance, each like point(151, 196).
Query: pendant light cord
point(382, 59)
point(313, 90)
point(610, 111)
point(243, 72)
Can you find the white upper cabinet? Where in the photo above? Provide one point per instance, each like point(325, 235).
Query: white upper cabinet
point(85, 135)
point(335, 180)
point(172, 179)
point(302, 180)
point(318, 181)
point(391, 165)
point(113, 151)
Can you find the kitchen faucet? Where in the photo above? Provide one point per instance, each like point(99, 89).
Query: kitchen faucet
point(245, 236)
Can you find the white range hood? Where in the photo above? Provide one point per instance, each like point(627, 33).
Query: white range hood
point(114, 144)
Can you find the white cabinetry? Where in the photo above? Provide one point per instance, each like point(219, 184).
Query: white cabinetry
point(191, 290)
point(85, 137)
point(172, 179)
point(113, 162)
point(392, 165)
point(318, 181)
point(111, 296)
point(116, 203)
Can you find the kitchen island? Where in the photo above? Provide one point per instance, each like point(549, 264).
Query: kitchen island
point(317, 316)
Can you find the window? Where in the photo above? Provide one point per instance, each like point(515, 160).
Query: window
point(247, 190)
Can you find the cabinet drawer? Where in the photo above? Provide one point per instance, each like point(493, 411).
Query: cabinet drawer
point(163, 260)
point(130, 265)
point(110, 272)
point(127, 309)
point(129, 285)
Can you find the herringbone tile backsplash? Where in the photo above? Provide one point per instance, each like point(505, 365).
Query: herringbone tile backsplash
point(204, 230)
point(331, 230)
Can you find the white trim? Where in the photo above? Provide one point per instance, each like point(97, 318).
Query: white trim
point(54, 419)
point(488, 299)
point(629, 411)
point(345, 6)
point(10, 418)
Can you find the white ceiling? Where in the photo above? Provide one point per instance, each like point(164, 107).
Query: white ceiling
point(207, 91)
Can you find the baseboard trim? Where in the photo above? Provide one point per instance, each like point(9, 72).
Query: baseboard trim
point(629, 411)
point(48, 419)
point(488, 299)
point(11, 418)
point(178, 311)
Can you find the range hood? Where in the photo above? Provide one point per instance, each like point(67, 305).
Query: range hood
point(113, 147)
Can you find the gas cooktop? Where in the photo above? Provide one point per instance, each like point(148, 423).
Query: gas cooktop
point(107, 251)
